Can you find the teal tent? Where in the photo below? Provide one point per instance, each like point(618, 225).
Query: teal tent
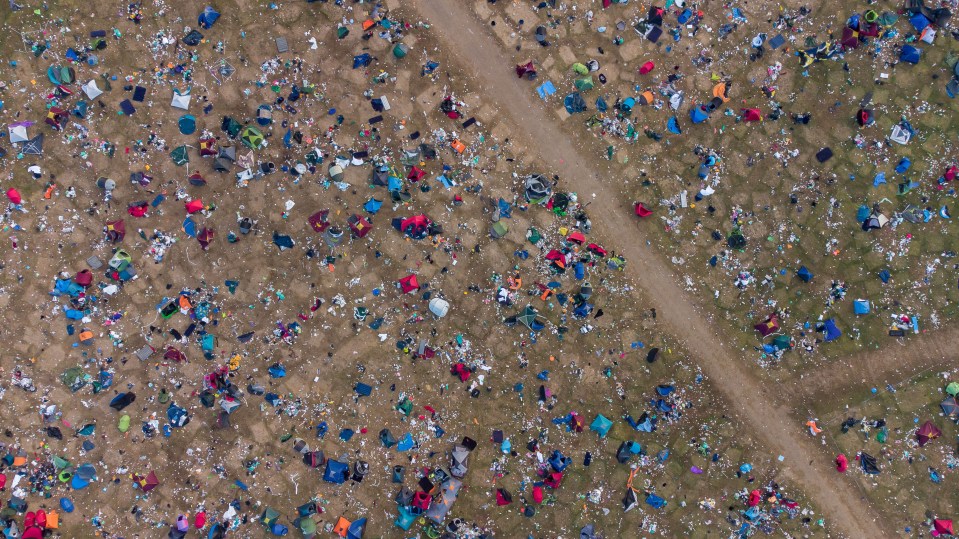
point(601, 425)
point(187, 124)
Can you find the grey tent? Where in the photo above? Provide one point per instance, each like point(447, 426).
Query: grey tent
point(404, 497)
point(439, 307)
point(410, 157)
point(442, 504)
point(459, 461)
point(588, 532)
point(380, 176)
point(538, 189)
point(33, 146)
point(227, 152)
point(531, 319)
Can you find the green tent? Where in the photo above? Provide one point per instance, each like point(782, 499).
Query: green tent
point(531, 319)
point(498, 230)
point(74, 378)
point(401, 50)
point(61, 463)
point(585, 83)
point(252, 138)
point(269, 517)
point(580, 69)
point(124, 424)
point(307, 527)
point(180, 156)
point(534, 236)
point(953, 388)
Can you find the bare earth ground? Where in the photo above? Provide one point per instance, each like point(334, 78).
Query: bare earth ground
point(757, 404)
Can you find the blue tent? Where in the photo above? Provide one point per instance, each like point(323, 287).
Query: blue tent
point(362, 60)
point(698, 115)
point(884, 276)
point(804, 274)
point(861, 306)
point(876, 182)
point(406, 443)
point(559, 462)
point(574, 103)
point(372, 206)
point(910, 54)
point(394, 184)
point(580, 269)
point(655, 501)
point(189, 227)
point(187, 124)
point(207, 17)
point(601, 425)
point(919, 22)
point(356, 529)
point(405, 519)
point(673, 126)
point(601, 104)
point(335, 472)
point(583, 310)
point(830, 331)
point(903, 165)
point(177, 416)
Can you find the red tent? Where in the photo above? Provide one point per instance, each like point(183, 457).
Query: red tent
point(771, 325)
point(197, 179)
point(173, 354)
point(942, 526)
point(138, 209)
point(537, 494)
point(318, 221)
point(527, 70)
point(422, 500)
point(927, 432)
point(205, 237)
point(752, 115)
point(461, 371)
point(409, 284)
point(84, 278)
point(596, 249)
point(359, 226)
point(503, 497)
point(641, 210)
point(577, 237)
point(842, 463)
point(115, 230)
point(646, 68)
point(754, 498)
point(554, 480)
point(416, 174)
point(14, 196)
point(850, 38)
point(200, 520)
point(194, 205)
point(33, 532)
point(207, 147)
point(147, 483)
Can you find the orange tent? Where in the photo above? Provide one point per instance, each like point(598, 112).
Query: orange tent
point(721, 91)
point(459, 146)
point(342, 526)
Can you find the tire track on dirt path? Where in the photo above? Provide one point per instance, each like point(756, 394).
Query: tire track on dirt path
point(837, 498)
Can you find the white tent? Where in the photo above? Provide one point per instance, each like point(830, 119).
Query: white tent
point(91, 89)
point(439, 307)
point(181, 100)
point(18, 133)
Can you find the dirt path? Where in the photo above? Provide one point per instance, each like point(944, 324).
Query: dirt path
point(804, 461)
point(894, 363)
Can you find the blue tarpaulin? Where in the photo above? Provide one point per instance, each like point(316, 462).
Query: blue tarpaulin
point(546, 89)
